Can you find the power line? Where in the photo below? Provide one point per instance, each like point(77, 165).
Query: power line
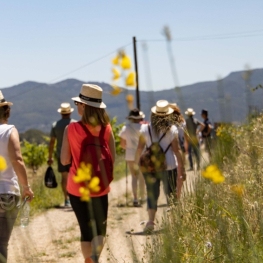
point(211, 37)
point(72, 71)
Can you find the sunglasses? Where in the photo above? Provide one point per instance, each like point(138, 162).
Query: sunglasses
point(77, 103)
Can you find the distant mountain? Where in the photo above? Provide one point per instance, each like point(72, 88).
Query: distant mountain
point(35, 104)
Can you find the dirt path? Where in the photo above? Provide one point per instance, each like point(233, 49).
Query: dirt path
point(53, 236)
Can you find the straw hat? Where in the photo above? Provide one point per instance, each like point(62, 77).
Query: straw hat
point(162, 108)
point(65, 108)
point(190, 112)
point(90, 95)
point(3, 102)
point(136, 114)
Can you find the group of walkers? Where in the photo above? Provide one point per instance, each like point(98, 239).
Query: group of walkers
point(167, 130)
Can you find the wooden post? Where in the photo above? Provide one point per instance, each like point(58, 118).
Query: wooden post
point(136, 74)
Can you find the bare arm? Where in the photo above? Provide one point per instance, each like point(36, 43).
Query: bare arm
point(16, 159)
point(180, 167)
point(50, 150)
point(112, 146)
point(123, 143)
point(65, 155)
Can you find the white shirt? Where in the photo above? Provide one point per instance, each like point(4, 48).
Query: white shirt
point(166, 140)
point(8, 178)
point(130, 133)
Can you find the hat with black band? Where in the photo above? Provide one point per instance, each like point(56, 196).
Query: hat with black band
point(90, 95)
point(3, 102)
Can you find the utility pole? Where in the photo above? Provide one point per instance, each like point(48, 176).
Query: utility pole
point(136, 75)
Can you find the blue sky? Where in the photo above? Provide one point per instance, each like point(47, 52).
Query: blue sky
point(44, 40)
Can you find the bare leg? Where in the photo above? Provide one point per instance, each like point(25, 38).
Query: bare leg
point(93, 249)
point(151, 214)
point(141, 186)
point(134, 179)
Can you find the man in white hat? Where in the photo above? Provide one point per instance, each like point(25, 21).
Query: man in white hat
point(191, 138)
point(56, 134)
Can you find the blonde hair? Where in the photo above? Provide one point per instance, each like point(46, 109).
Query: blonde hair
point(95, 116)
point(178, 117)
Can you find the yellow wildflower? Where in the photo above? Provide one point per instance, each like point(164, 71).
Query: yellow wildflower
point(116, 74)
point(130, 80)
point(85, 194)
point(115, 61)
point(126, 62)
point(116, 91)
point(3, 164)
point(214, 174)
point(89, 184)
point(238, 189)
point(94, 184)
point(83, 173)
point(129, 98)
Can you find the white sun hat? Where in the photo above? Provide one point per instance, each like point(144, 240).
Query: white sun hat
point(90, 95)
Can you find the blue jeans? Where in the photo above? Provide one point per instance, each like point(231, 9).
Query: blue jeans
point(153, 180)
point(196, 149)
point(8, 215)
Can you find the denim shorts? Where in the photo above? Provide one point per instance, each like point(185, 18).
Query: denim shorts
point(8, 214)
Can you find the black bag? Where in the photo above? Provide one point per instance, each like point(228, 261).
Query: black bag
point(50, 178)
point(153, 158)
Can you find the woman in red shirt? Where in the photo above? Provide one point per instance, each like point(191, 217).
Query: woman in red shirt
point(92, 217)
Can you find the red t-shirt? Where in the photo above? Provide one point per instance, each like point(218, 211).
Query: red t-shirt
point(76, 134)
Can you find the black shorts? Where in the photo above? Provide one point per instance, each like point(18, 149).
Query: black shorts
point(63, 168)
point(91, 216)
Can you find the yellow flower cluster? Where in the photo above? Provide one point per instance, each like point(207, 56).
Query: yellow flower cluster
point(3, 165)
point(90, 184)
point(123, 61)
point(214, 174)
point(238, 189)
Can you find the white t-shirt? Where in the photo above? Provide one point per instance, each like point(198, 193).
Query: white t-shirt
point(166, 140)
point(130, 133)
point(8, 177)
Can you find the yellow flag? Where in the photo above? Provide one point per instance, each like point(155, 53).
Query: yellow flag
point(130, 80)
point(126, 62)
point(116, 74)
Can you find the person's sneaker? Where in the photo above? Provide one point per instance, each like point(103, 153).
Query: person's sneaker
point(190, 169)
point(67, 203)
point(136, 203)
point(149, 227)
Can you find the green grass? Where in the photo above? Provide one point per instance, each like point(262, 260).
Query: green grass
point(220, 223)
point(45, 198)
point(120, 167)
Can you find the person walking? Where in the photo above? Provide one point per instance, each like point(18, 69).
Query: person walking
point(129, 135)
point(206, 132)
point(13, 174)
point(191, 138)
point(92, 217)
point(56, 134)
point(161, 129)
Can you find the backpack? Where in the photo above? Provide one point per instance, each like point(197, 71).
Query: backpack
point(50, 178)
point(153, 158)
point(95, 151)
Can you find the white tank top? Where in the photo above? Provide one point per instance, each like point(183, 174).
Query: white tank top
point(8, 178)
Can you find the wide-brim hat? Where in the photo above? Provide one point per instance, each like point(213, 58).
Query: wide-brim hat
point(65, 108)
point(190, 112)
point(135, 114)
point(162, 108)
point(90, 95)
point(3, 102)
